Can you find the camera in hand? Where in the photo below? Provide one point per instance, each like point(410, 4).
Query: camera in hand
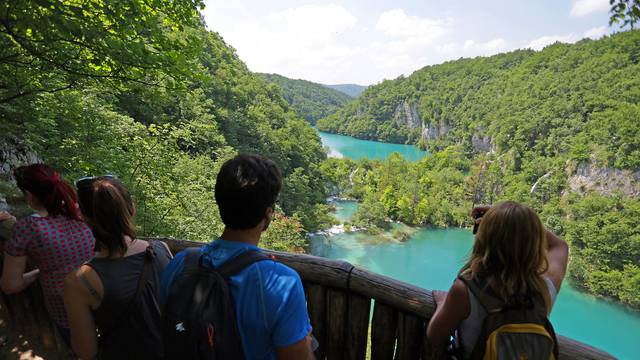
point(476, 214)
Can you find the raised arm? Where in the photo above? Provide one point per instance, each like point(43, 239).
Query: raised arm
point(558, 257)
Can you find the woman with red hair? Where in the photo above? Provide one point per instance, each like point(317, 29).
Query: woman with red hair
point(54, 238)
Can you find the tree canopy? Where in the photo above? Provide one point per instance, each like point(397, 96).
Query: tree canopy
point(310, 101)
point(142, 90)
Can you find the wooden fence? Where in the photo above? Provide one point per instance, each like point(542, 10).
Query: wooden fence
point(340, 297)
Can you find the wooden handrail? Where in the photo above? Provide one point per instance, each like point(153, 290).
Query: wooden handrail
point(340, 299)
point(398, 301)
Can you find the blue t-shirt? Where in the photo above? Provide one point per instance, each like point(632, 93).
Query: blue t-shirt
point(271, 309)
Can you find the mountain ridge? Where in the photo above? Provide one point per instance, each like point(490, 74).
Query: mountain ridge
point(353, 90)
point(311, 101)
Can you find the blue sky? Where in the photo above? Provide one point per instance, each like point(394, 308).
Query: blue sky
point(364, 42)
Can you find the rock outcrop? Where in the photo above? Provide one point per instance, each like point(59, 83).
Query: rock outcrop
point(433, 131)
point(407, 115)
point(605, 180)
point(13, 154)
point(481, 143)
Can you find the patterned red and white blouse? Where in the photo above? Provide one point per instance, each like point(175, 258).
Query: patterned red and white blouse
point(57, 245)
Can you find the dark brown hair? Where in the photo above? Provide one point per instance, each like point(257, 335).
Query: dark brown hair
point(48, 187)
point(511, 248)
point(108, 209)
point(245, 187)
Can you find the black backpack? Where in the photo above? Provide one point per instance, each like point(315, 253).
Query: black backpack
point(199, 319)
point(516, 329)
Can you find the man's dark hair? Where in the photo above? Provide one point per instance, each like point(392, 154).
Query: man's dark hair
point(246, 186)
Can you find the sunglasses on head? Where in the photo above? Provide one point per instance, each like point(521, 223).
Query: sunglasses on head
point(87, 180)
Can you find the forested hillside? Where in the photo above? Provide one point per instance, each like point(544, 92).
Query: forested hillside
point(352, 90)
point(557, 129)
point(310, 101)
point(153, 97)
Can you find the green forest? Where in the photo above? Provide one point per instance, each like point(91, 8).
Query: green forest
point(309, 100)
point(147, 93)
point(557, 129)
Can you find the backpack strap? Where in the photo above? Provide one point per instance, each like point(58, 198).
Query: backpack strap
point(235, 265)
point(480, 291)
point(191, 259)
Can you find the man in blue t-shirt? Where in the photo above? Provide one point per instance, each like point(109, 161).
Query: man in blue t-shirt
point(271, 309)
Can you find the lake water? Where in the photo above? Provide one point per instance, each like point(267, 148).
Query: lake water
point(347, 146)
point(430, 258)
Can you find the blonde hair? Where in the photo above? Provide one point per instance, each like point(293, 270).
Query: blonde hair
point(511, 249)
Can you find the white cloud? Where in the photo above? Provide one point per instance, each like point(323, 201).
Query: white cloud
point(329, 44)
point(586, 7)
point(397, 23)
point(542, 42)
point(596, 32)
point(295, 42)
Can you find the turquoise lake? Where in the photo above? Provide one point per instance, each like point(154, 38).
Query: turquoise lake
point(346, 146)
point(430, 258)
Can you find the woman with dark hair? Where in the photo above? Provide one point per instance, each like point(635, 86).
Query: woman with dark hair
point(513, 257)
point(54, 238)
point(117, 291)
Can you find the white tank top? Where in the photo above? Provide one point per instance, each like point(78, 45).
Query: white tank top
point(471, 326)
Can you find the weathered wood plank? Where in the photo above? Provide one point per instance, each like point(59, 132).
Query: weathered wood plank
point(383, 332)
point(359, 311)
point(574, 350)
point(336, 317)
point(429, 352)
point(316, 302)
point(410, 334)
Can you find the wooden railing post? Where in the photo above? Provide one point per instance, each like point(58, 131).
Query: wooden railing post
point(383, 332)
point(410, 335)
point(336, 317)
point(359, 311)
point(316, 302)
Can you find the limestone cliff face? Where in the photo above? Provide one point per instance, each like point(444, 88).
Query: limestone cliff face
point(407, 115)
point(482, 143)
point(605, 180)
point(12, 155)
point(433, 131)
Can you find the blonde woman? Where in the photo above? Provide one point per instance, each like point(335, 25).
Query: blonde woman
point(513, 255)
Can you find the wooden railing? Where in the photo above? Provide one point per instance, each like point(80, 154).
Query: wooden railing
point(340, 298)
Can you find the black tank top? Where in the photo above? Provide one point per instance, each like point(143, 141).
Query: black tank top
point(129, 326)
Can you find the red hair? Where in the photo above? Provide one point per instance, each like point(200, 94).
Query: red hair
point(46, 185)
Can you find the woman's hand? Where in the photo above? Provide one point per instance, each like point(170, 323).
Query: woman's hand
point(479, 211)
point(4, 215)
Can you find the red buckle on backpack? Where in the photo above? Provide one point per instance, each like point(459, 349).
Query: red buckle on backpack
point(210, 335)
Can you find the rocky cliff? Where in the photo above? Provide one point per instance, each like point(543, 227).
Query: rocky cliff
point(588, 176)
